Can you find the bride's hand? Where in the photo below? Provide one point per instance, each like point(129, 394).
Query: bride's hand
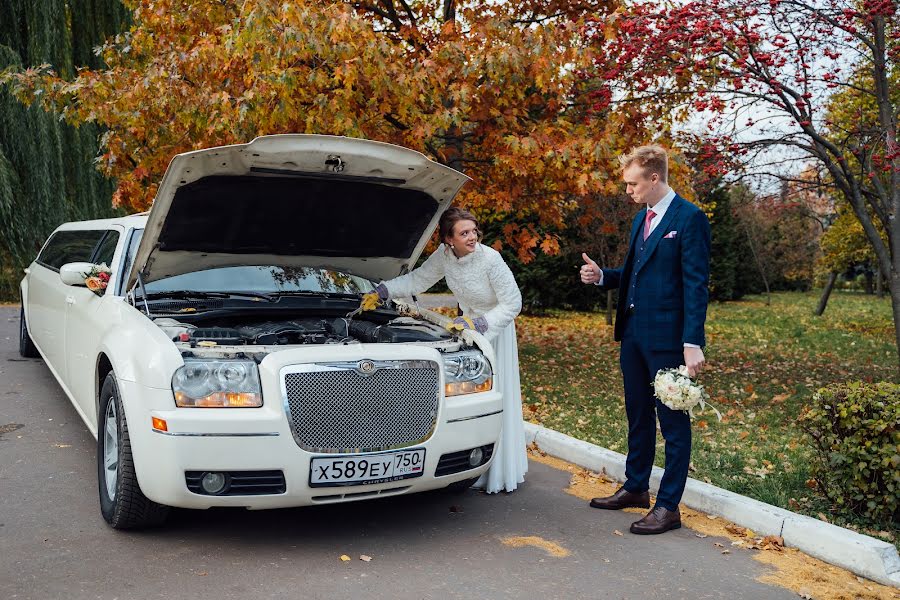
point(479, 324)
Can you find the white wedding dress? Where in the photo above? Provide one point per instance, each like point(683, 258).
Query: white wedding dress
point(484, 287)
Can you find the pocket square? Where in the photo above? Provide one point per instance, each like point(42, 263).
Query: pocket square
point(670, 235)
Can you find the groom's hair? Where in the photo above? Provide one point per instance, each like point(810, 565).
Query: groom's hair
point(651, 159)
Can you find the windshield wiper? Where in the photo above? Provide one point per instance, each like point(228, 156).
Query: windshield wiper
point(194, 294)
point(347, 295)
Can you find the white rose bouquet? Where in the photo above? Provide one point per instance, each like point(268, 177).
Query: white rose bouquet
point(675, 389)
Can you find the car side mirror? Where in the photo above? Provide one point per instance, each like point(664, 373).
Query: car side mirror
point(73, 273)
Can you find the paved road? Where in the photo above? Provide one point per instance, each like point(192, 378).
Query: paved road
point(54, 544)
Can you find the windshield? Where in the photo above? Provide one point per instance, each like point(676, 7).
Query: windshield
point(258, 278)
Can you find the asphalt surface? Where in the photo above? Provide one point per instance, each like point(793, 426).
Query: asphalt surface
point(54, 543)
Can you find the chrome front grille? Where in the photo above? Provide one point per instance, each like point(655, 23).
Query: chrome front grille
point(361, 406)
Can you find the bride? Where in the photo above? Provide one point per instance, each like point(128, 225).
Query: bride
point(489, 299)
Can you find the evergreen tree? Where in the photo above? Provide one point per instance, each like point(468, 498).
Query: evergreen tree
point(731, 271)
point(47, 173)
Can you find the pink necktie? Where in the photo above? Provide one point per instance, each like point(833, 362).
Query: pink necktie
point(650, 215)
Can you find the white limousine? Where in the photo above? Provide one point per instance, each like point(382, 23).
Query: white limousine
point(222, 364)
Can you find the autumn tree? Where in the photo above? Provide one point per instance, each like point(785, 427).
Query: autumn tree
point(767, 70)
point(487, 88)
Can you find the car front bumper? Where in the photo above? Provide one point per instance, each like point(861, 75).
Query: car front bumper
point(260, 439)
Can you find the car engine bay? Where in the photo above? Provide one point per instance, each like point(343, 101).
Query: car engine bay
point(301, 331)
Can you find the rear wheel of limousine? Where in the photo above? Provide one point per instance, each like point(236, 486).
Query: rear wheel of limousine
point(122, 502)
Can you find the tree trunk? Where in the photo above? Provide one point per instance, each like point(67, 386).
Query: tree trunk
point(869, 286)
point(609, 307)
point(894, 283)
point(759, 265)
point(826, 293)
point(879, 284)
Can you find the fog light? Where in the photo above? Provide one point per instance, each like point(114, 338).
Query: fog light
point(475, 457)
point(213, 483)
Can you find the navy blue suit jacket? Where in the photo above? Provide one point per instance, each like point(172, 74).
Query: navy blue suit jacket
point(672, 284)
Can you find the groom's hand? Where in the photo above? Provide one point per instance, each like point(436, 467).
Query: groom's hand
point(693, 360)
point(590, 272)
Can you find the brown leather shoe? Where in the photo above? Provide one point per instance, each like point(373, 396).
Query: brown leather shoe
point(622, 499)
point(658, 520)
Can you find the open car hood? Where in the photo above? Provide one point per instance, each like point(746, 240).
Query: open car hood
point(362, 207)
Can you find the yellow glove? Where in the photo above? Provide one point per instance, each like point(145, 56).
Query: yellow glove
point(370, 301)
point(460, 323)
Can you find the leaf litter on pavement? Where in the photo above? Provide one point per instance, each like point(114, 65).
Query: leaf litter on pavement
point(790, 568)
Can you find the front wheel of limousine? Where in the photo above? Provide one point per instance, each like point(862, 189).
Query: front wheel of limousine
point(27, 349)
point(122, 502)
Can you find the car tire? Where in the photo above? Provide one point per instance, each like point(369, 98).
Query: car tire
point(27, 348)
point(122, 503)
point(458, 487)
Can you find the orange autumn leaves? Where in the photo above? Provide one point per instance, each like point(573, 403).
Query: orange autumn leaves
point(490, 89)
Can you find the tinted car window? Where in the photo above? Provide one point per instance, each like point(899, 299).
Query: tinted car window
point(107, 248)
point(133, 244)
point(69, 246)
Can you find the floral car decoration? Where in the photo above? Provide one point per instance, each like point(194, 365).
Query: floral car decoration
point(97, 278)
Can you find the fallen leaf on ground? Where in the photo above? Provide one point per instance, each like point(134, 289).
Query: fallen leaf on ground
point(456, 509)
point(345, 558)
point(551, 548)
point(365, 558)
point(771, 542)
point(701, 535)
point(617, 532)
point(726, 551)
point(719, 545)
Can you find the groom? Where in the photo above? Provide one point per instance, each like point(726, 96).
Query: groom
point(660, 319)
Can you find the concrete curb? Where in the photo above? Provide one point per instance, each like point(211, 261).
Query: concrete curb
point(861, 554)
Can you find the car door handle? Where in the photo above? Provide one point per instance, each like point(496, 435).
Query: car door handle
point(70, 300)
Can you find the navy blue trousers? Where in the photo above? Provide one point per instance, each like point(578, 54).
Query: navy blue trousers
point(639, 367)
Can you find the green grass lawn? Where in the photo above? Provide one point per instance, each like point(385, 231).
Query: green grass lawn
point(763, 365)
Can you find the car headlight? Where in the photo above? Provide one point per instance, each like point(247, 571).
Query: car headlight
point(217, 384)
point(466, 373)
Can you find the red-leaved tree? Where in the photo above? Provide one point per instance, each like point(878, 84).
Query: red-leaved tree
point(762, 73)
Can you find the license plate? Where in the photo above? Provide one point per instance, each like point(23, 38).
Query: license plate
point(360, 469)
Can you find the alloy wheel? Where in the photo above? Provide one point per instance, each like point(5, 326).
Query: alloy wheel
point(111, 448)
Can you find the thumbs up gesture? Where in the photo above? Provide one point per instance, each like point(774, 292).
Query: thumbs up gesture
point(590, 272)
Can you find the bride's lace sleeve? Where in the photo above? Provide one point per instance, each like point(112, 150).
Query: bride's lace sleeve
point(509, 298)
point(418, 280)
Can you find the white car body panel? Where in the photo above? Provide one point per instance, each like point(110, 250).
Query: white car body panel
point(80, 334)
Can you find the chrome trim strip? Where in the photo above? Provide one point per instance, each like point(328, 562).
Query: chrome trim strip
point(190, 434)
point(490, 414)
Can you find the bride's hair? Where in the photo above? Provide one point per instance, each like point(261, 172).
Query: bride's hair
point(451, 217)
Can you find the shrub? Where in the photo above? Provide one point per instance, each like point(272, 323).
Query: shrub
point(855, 429)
